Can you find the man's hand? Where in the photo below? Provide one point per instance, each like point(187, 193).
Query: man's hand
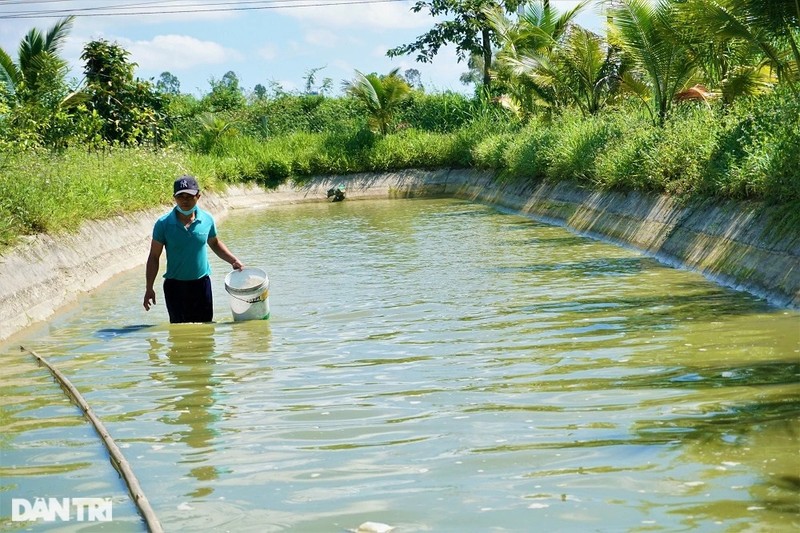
point(149, 299)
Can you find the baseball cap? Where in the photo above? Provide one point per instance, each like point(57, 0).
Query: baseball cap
point(186, 184)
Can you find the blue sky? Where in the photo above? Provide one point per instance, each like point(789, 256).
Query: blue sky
point(278, 44)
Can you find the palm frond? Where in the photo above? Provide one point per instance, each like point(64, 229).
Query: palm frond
point(747, 81)
point(10, 75)
point(381, 95)
point(75, 98)
point(56, 35)
point(30, 46)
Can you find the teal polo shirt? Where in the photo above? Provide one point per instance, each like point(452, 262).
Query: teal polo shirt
point(187, 255)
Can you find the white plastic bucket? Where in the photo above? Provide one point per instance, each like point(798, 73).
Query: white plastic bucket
point(249, 294)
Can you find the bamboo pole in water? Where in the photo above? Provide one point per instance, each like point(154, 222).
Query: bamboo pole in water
point(117, 459)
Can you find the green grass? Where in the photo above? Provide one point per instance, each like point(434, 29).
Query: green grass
point(48, 193)
point(750, 151)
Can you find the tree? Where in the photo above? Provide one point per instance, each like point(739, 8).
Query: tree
point(38, 99)
point(774, 26)
point(743, 46)
point(41, 116)
point(474, 74)
point(259, 91)
point(225, 95)
point(664, 65)
point(132, 111)
point(413, 78)
point(468, 30)
point(381, 94)
point(168, 83)
point(214, 129)
point(34, 50)
point(589, 70)
point(547, 61)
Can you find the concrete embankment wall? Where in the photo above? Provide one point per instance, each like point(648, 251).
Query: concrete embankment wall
point(732, 244)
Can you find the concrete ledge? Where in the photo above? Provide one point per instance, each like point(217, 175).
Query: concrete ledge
point(730, 243)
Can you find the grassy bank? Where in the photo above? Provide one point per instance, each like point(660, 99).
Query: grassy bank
point(747, 152)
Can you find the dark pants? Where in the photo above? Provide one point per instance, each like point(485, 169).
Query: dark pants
point(189, 301)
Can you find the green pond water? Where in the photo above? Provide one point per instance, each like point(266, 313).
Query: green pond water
point(434, 365)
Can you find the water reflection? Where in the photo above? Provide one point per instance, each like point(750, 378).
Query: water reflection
point(622, 266)
point(739, 441)
point(249, 338)
point(186, 362)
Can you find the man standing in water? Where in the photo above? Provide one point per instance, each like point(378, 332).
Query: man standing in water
point(184, 232)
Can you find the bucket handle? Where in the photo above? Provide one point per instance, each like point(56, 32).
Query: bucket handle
point(260, 298)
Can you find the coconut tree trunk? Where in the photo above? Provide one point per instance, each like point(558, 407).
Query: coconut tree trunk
point(487, 58)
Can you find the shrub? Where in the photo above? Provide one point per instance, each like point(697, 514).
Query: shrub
point(758, 155)
point(678, 160)
point(620, 166)
point(577, 143)
point(527, 155)
point(288, 114)
point(441, 113)
point(489, 151)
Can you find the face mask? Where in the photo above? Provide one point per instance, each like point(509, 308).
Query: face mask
point(186, 212)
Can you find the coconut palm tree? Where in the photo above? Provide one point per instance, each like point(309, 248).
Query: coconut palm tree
point(214, 129)
point(589, 70)
point(547, 60)
point(381, 94)
point(35, 51)
point(776, 27)
point(663, 64)
point(730, 67)
point(35, 91)
point(744, 46)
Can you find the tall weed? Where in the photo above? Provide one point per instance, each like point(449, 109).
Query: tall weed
point(758, 155)
point(622, 165)
point(440, 113)
point(412, 149)
point(489, 152)
point(678, 162)
point(48, 192)
point(527, 155)
point(577, 143)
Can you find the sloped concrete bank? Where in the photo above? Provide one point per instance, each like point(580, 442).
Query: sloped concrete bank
point(733, 244)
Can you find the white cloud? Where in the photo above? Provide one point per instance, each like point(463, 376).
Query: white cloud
point(344, 66)
point(178, 52)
